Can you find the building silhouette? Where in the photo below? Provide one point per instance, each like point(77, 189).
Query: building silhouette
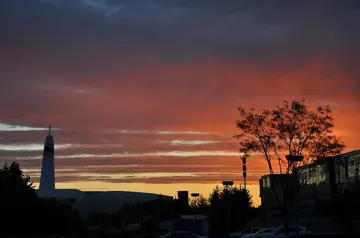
point(86, 202)
point(314, 180)
point(47, 179)
point(183, 197)
point(307, 193)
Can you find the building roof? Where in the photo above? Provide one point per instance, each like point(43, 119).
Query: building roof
point(350, 153)
point(275, 175)
point(341, 156)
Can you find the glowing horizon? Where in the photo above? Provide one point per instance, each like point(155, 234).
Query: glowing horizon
point(144, 96)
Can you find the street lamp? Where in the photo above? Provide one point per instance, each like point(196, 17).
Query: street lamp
point(228, 184)
point(194, 196)
point(295, 158)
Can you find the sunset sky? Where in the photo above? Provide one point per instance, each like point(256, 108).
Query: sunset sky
point(143, 95)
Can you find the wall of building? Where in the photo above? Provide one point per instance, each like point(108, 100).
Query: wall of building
point(273, 187)
point(314, 179)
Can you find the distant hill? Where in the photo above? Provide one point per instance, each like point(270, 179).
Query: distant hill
point(101, 201)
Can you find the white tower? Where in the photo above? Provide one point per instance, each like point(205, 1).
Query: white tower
point(47, 179)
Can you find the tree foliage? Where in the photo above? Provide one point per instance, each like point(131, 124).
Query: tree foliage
point(291, 128)
point(14, 182)
point(238, 200)
point(17, 199)
point(24, 213)
point(199, 202)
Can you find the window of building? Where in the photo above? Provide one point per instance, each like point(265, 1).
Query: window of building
point(311, 179)
point(354, 166)
point(313, 175)
point(266, 182)
point(320, 174)
point(49, 148)
point(304, 176)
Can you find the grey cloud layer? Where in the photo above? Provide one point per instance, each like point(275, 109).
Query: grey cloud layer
point(144, 153)
point(61, 49)
point(73, 39)
point(76, 31)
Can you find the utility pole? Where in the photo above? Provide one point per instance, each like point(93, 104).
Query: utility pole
point(228, 185)
point(195, 202)
point(244, 169)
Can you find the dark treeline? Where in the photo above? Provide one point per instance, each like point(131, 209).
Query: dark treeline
point(27, 214)
point(234, 205)
point(222, 203)
point(24, 213)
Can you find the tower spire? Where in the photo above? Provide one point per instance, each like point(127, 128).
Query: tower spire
point(47, 177)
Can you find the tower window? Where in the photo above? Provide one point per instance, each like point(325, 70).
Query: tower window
point(49, 148)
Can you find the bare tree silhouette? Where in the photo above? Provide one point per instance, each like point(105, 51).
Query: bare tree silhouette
point(291, 128)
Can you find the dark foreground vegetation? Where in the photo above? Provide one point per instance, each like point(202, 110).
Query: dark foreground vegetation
point(24, 213)
point(27, 214)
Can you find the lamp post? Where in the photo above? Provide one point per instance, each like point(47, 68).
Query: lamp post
point(291, 159)
point(227, 185)
point(195, 196)
point(294, 158)
point(244, 169)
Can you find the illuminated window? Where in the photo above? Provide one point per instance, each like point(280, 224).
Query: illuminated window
point(304, 176)
point(313, 175)
point(320, 174)
point(354, 166)
point(266, 182)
